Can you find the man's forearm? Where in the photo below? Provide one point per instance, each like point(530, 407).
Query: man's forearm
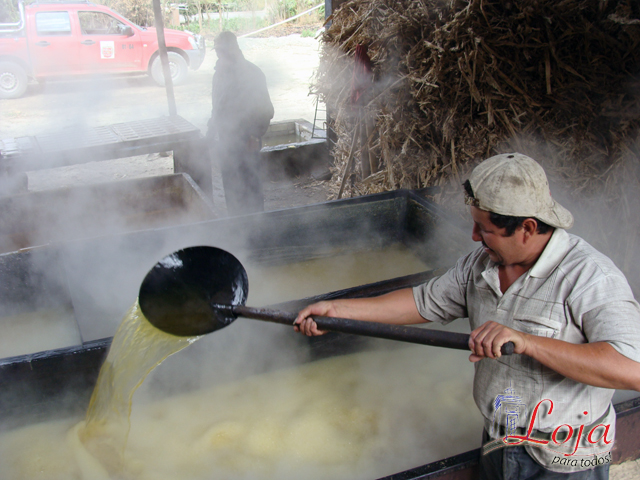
point(597, 363)
point(397, 307)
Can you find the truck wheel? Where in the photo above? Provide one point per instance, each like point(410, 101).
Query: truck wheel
point(13, 80)
point(177, 65)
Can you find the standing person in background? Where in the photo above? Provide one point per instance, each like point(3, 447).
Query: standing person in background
point(240, 116)
point(566, 307)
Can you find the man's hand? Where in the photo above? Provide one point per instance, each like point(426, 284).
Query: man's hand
point(305, 324)
point(487, 340)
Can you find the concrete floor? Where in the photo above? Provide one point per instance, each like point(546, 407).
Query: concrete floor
point(625, 471)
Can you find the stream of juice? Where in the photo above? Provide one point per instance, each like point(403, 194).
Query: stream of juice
point(137, 348)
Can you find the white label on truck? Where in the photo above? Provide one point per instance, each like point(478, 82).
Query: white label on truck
point(108, 50)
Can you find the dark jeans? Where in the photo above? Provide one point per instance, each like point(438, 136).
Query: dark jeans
point(514, 463)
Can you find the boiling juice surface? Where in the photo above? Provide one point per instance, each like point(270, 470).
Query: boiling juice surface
point(290, 281)
point(38, 330)
point(361, 415)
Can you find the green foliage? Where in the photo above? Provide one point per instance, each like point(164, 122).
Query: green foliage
point(224, 6)
point(282, 9)
point(193, 27)
point(137, 11)
point(308, 33)
point(212, 26)
point(239, 25)
point(9, 11)
point(140, 12)
point(246, 5)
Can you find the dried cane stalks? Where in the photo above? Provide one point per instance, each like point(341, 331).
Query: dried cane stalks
point(458, 81)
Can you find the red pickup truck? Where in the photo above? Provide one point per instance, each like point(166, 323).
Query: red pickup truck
point(54, 39)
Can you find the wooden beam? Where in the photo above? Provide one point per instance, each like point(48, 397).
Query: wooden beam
point(164, 58)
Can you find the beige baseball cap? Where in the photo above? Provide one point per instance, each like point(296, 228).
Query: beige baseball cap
point(516, 185)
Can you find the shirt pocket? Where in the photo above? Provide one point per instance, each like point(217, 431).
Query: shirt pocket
point(536, 325)
point(540, 327)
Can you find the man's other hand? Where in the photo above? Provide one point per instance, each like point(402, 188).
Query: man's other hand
point(487, 340)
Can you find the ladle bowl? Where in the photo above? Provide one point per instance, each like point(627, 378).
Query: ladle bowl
point(199, 290)
point(183, 292)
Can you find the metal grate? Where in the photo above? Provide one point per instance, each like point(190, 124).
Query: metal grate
point(76, 138)
point(72, 139)
point(151, 128)
point(84, 144)
point(10, 147)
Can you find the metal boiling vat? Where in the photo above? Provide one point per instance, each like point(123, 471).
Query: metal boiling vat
point(63, 214)
point(101, 277)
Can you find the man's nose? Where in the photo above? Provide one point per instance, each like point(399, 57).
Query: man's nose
point(475, 234)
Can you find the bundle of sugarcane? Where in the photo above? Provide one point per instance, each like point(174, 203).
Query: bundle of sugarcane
point(454, 82)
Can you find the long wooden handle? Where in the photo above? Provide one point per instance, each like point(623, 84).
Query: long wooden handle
point(401, 333)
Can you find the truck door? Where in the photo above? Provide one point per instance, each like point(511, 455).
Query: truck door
point(52, 45)
point(108, 44)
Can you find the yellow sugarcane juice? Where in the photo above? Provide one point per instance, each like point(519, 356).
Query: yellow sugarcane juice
point(362, 415)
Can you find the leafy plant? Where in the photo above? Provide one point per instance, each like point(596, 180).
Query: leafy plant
point(213, 27)
point(9, 11)
point(280, 10)
point(140, 13)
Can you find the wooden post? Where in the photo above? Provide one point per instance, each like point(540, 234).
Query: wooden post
point(365, 160)
point(347, 167)
point(164, 58)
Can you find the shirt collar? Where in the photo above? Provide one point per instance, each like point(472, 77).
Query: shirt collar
point(490, 275)
point(552, 255)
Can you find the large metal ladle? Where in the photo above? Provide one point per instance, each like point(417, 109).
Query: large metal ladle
point(202, 289)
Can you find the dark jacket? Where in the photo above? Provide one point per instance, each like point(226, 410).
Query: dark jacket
point(241, 106)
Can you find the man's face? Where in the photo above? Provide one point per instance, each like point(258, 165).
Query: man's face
point(501, 249)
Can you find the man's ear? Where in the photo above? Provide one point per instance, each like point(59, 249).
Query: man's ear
point(529, 227)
